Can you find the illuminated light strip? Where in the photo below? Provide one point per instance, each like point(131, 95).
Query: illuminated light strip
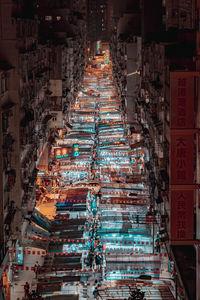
point(148, 269)
point(52, 285)
point(32, 268)
point(124, 188)
point(54, 240)
point(57, 217)
point(124, 202)
point(67, 201)
point(141, 254)
point(56, 285)
point(73, 166)
point(71, 201)
point(123, 285)
point(121, 186)
point(46, 253)
point(134, 274)
point(75, 169)
point(124, 193)
point(133, 242)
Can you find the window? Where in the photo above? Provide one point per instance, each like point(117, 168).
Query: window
point(48, 18)
point(58, 18)
point(6, 82)
point(3, 84)
point(4, 121)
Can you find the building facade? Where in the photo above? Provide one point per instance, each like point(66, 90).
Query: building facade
point(165, 108)
point(39, 78)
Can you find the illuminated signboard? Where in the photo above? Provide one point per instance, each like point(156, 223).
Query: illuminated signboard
point(76, 150)
point(61, 152)
point(98, 46)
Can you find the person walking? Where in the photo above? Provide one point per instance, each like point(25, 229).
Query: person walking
point(26, 290)
point(36, 269)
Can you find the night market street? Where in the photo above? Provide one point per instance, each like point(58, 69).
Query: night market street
point(99, 149)
point(94, 223)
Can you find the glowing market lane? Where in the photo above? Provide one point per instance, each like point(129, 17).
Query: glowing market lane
point(102, 228)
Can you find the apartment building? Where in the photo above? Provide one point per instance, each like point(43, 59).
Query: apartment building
point(165, 104)
point(166, 109)
point(31, 106)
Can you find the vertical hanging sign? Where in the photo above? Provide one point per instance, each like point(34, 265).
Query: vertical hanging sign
point(182, 221)
point(181, 100)
point(181, 157)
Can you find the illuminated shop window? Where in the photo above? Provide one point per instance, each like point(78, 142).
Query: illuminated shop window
point(48, 18)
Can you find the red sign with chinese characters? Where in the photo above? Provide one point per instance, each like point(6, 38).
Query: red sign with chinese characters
point(182, 215)
point(181, 158)
point(181, 100)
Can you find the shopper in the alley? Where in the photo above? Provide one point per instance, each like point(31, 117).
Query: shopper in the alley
point(36, 269)
point(26, 290)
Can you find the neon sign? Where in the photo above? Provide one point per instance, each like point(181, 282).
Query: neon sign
point(61, 153)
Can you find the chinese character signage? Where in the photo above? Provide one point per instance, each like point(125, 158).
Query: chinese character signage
point(61, 152)
point(181, 158)
point(181, 100)
point(182, 222)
